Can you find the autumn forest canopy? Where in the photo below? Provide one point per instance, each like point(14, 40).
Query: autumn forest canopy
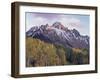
point(40, 53)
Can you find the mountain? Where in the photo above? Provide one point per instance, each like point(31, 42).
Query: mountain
point(60, 35)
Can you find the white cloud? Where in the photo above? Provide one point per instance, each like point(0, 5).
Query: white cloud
point(40, 21)
point(70, 22)
point(36, 22)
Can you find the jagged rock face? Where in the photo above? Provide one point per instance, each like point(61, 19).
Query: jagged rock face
point(60, 35)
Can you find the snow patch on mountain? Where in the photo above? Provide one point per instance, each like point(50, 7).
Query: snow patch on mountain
point(58, 34)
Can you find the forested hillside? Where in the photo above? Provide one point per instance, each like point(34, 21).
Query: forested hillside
point(40, 53)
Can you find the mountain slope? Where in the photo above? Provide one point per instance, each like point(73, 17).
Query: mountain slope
point(60, 35)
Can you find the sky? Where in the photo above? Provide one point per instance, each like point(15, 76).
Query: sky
point(72, 21)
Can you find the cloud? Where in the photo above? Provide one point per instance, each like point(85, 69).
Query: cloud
point(40, 21)
point(35, 21)
point(70, 22)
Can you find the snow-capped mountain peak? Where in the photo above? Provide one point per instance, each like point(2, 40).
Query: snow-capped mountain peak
point(60, 35)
